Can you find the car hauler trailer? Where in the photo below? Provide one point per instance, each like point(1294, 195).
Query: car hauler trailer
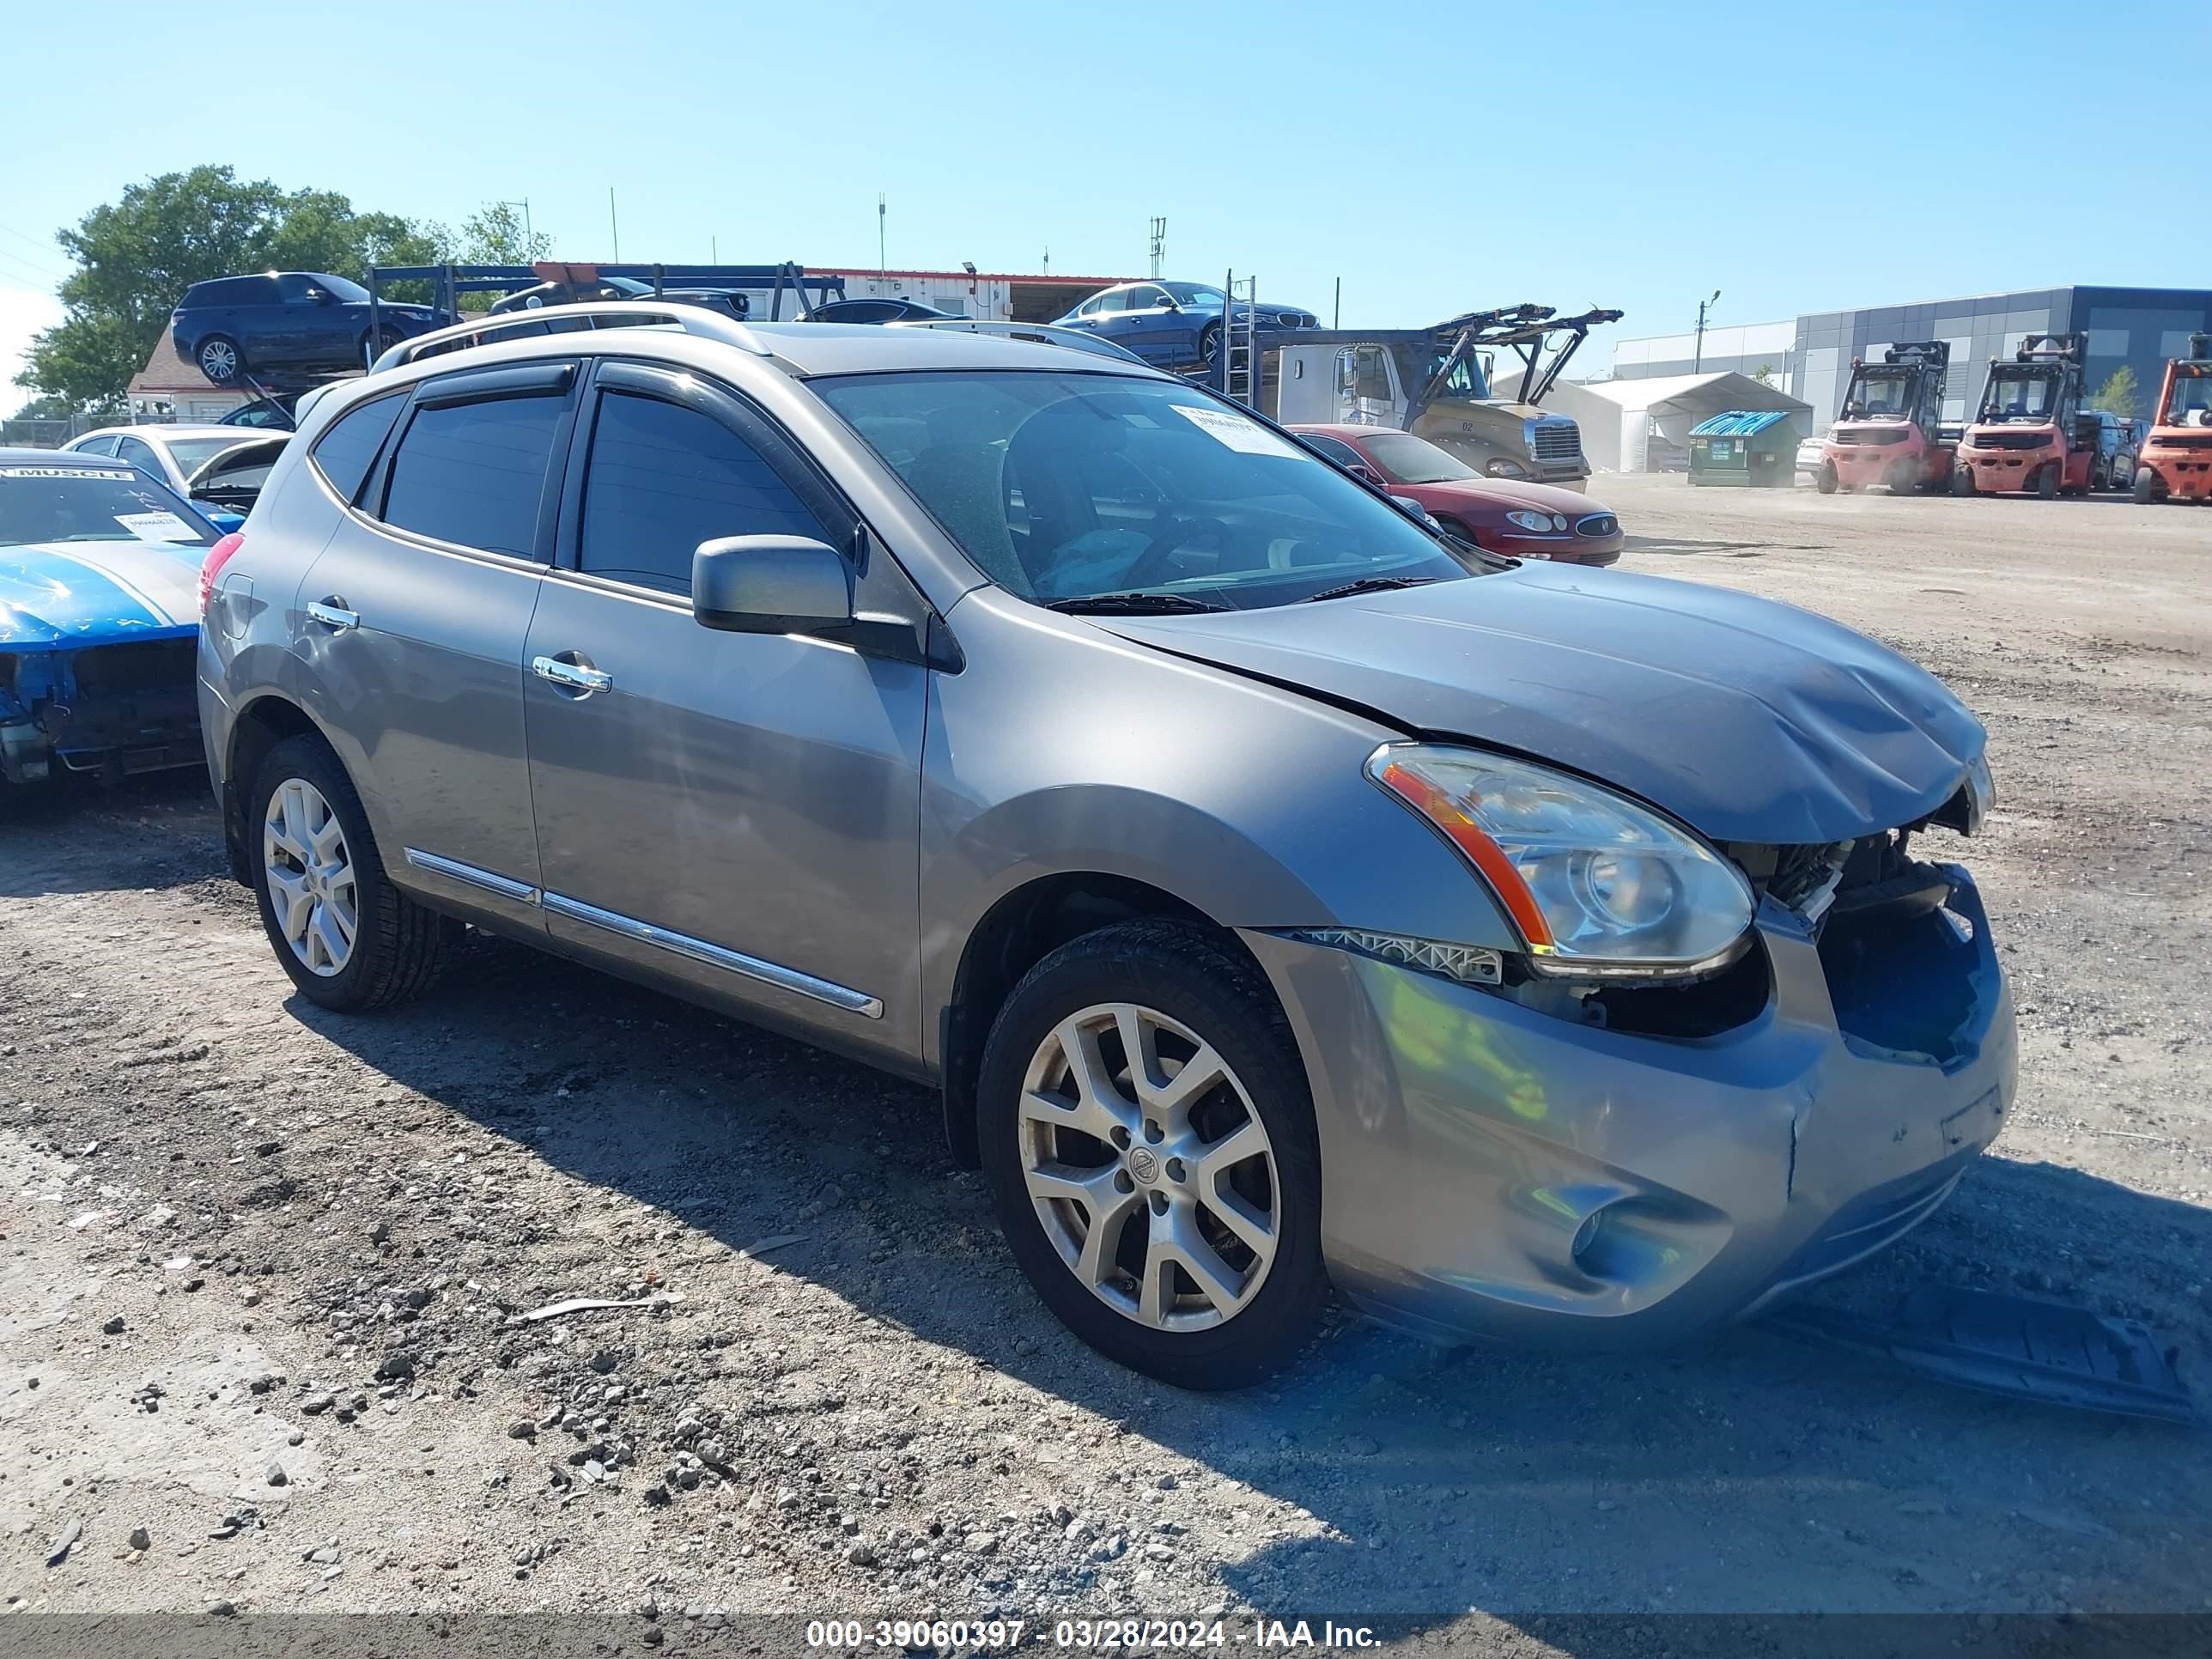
point(2175, 464)
point(2032, 434)
point(1889, 431)
point(1433, 382)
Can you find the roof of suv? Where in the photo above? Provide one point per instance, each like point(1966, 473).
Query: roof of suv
point(811, 348)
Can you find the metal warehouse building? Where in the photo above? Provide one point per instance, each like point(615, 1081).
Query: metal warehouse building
point(1811, 357)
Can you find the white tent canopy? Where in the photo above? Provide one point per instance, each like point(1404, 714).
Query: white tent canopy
point(1633, 426)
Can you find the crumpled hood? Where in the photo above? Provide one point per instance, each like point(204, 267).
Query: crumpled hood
point(71, 594)
point(1747, 720)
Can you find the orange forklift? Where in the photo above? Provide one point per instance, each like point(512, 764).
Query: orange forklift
point(1886, 433)
point(2032, 435)
point(2175, 464)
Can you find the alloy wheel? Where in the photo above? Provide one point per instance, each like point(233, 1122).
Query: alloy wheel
point(218, 359)
point(1149, 1168)
point(310, 874)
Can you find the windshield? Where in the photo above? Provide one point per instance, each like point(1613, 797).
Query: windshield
point(352, 293)
point(1197, 294)
point(2191, 403)
point(65, 503)
point(2020, 394)
point(1880, 396)
point(192, 454)
point(1067, 487)
point(1405, 459)
point(1466, 381)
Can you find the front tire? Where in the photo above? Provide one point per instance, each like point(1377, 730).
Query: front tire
point(220, 359)
point(1962, 480)
point(2146, 490)
point(349, 940)
point(1173, 1224)
point(2047, 479)
point(1825, 480)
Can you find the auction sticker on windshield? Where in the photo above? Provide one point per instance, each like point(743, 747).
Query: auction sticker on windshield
point(1236, 431)
point(156, 526)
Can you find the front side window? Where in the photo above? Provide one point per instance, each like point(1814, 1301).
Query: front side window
point(1196, 295)
point(1336, 449)
point(663, 478)
point(347, 448)
point(1371, 374)
point(474, 474)
point(1068, 487)
point(191, 454)
point(139, 454)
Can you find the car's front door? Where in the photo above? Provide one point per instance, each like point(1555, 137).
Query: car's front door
point(1157, 329)
point(737, 812)
point(411, 621)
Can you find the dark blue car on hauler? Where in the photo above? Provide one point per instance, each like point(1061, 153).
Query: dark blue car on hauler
point(289, 323)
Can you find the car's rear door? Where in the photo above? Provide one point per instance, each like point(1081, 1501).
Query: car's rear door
point(411, 622)
point(736, 812)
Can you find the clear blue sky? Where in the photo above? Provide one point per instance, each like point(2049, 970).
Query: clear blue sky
point(1797, 157)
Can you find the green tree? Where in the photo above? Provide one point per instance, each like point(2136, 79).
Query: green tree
point(1763, 374)
point(135, 256)
point(2120, 394)
point(495, 234)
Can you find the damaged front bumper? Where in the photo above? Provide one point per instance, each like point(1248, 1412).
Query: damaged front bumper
point(118, 708)
point(1493, 1171)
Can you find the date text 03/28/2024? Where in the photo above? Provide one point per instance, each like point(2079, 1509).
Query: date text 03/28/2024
point(1102, 1635)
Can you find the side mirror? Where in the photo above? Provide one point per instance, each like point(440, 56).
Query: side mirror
point(1168, 303)
point(770, 585)
point(321, 296)
point(1369, 476)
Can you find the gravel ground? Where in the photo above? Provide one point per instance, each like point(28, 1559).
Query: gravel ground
point(262, 1268)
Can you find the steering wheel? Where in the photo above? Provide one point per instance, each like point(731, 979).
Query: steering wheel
point(1172, 534)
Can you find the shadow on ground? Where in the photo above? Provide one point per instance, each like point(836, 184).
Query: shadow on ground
point(1744, 1473)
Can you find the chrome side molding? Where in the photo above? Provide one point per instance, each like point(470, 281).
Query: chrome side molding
point(697, 950)
point(454, 870)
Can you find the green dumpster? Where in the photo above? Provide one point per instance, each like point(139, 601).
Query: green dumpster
point(1745, 447)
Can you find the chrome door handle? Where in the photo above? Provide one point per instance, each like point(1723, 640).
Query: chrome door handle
point(573, 676)
point(334, 617)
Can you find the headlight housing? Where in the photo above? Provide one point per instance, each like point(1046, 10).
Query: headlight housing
point(1597, 886)
point(1499, 467)
point(1543, 524)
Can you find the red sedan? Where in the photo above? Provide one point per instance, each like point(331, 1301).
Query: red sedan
point(1522, 520)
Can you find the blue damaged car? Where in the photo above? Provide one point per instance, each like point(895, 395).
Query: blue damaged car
point(98, 617)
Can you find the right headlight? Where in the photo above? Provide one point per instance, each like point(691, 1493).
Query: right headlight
point(1499, 467)
point(1597, 886)
point(1539, 522)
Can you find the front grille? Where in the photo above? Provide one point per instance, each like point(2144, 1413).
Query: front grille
point(2184, 443)
point(1597, 523)
point(1558, 441)
point(142, 664)
point(2010, 440)
point(1873, 435)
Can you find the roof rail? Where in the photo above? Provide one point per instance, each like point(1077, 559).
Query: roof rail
point(692, 319)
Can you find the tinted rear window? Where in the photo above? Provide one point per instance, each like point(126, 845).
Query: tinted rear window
point(473, 474)
point(344, 454)
point(231, 291)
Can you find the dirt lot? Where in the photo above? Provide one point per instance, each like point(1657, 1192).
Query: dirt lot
point(260, 1264)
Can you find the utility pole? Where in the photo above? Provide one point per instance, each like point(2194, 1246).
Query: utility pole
point(1697, 357)
point(612, 225)
point(1160, 245)
point(883, 264)
point(529, 239)
point(1336, 316)
point(713, 251)
point(1047, 262)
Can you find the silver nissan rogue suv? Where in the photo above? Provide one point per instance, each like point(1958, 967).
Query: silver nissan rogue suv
point(1279, 892)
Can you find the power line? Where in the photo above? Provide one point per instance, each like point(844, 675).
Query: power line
point(44, 273)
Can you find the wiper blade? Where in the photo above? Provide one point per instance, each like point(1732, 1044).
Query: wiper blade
point(1368, 585)
point(1132, 605)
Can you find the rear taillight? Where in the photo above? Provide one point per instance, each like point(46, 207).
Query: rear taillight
point(211, 567)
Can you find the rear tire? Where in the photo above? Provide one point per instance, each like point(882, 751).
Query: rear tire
point(1209, 344)
point(1190, 999)
point(220, 359)
point(349, 940)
